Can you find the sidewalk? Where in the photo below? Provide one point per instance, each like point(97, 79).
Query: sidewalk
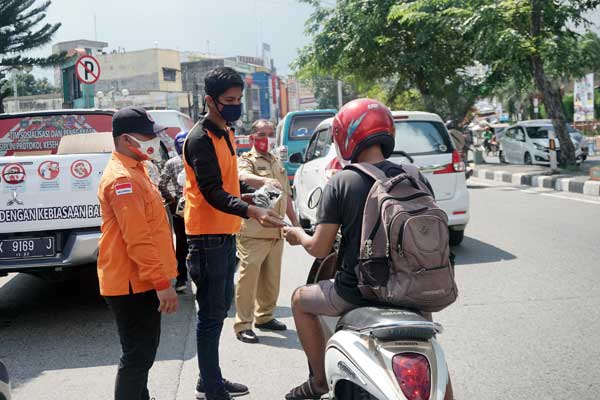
point(537, 176)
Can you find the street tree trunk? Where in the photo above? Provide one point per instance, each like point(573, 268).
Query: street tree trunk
point(550, 90)
point(423, 87)
point(1, 105)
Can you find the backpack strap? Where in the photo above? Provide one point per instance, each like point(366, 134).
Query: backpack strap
point(368, 169)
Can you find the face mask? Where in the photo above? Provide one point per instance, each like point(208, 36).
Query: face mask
point(148, 150)
point(230, 112)
point(264, 144)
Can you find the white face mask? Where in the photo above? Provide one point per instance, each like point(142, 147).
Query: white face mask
point(272, 142)
point(148, 150)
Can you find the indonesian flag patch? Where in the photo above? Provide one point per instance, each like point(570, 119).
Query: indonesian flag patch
point(123, 188)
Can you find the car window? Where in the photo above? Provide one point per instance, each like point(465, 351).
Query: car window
point(310, 150)
point(303, 126)
point(510, 133)
point(186, 122)
point(323, 143)
point(538, 132)
point(422, 137)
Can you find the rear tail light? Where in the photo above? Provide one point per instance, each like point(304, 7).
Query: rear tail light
point(457, 165)
point(413, 375)
point(332, 168)
point(283, 153)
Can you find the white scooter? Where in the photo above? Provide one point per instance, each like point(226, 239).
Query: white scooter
point(381, 353)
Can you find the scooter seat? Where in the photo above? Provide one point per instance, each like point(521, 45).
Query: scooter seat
point(389, 324)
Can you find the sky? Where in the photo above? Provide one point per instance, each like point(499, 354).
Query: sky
point(232, 27)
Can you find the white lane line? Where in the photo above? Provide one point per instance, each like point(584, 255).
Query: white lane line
point(536, 190)
point(562, 196)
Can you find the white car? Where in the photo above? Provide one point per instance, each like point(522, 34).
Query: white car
point(423, 137)
point(527, 143)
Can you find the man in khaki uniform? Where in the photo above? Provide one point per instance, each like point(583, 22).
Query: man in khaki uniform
point(260, 249)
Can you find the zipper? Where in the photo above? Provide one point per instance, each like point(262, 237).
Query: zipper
point(430, 269)
point(408, 198)
point(401, 234)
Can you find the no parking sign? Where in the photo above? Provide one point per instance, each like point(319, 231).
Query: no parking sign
point(88, 70)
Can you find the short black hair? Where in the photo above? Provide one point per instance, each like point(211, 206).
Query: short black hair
point(220, 80)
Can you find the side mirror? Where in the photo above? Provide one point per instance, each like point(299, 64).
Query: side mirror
point(296, 158)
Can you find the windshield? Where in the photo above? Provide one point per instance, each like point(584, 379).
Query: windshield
point(41, 134)
point(422, 137)
point(539, 132)
point(303, 126)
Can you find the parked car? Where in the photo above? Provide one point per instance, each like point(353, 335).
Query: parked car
point(294, 132)
point(423, 137)
point(51, 163)
point(4, 383)
point(528, 142)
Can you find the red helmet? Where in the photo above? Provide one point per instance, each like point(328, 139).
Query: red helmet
point(360, 124)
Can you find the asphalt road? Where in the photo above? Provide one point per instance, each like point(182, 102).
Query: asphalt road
point(526, 326)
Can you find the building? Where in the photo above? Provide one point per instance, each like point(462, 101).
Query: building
point(260, 96)
point(148, 78)
point(91, 47)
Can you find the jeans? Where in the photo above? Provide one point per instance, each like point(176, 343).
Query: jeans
point(211, 262)
point(181, 248)
point(138, 324)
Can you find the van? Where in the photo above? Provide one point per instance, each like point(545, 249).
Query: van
point(294, 132)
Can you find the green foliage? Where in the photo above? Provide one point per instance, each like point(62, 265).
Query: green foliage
point(21, 31)
point(416, 45)
point(28, 85)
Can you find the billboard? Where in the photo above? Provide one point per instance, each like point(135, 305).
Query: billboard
point(584, 98)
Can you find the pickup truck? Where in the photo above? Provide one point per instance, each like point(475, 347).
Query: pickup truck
point(50, 168)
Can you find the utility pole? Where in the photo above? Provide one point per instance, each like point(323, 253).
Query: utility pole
point(195, 102)
point(15, 90)
point(340, 94)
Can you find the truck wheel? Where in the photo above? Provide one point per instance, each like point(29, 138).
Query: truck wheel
point(456, 237)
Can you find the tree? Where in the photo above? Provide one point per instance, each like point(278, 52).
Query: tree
point(28, 85)
point(415, 44)
point(20, 31)
point(534, 40)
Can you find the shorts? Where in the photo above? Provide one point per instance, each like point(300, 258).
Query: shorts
point(322, 299)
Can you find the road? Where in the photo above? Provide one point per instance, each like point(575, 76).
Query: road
point(526, 325)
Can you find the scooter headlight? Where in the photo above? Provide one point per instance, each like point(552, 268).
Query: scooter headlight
point(413, 374)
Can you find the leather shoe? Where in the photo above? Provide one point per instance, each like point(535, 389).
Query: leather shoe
point(272, 325)
point(247, 336)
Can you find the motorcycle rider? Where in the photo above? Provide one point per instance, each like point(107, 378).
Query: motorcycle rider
point(363, 131)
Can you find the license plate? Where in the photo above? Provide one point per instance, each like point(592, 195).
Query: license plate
point(27, 248)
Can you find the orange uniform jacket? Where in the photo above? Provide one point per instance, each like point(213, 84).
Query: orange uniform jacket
point(136, 247)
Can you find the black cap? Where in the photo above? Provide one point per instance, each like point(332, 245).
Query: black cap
point(134, 120)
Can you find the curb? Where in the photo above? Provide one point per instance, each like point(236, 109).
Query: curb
point(560, 183)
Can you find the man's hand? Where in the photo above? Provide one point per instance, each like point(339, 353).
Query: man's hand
point(268, 218)
point(293, 235)
point(168, 300)
point(273, 182)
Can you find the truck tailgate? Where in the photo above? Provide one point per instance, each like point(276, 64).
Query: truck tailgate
point(49, 193)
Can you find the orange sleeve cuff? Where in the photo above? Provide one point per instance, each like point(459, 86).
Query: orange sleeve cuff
point(162, 285)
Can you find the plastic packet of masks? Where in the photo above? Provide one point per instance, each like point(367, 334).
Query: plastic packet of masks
point(267, 196)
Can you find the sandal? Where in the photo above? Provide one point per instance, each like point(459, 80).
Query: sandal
point(304, 391)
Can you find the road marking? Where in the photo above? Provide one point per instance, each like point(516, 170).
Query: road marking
point(537, 190)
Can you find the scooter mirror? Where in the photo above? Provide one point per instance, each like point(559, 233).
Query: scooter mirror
point(315, 198)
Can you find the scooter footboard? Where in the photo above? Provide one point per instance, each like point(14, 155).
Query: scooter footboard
point(367, 363)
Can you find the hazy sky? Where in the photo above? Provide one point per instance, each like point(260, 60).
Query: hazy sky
point(233, 27)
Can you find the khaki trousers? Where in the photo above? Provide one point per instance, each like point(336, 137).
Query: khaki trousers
point(258, 287)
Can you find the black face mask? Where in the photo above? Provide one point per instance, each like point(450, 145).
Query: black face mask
point(230, 112)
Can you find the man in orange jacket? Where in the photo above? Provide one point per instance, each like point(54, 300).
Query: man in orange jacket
point(136, 258)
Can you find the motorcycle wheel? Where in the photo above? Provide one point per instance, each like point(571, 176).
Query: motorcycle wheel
point(349, 391)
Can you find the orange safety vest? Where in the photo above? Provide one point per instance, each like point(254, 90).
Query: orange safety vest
point(200, 217)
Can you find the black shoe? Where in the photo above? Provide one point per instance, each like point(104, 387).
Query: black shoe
point(272, 325)
point(180, 286)
point(232, 390)
point(247, 336)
